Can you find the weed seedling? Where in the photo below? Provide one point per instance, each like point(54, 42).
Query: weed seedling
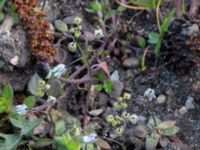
point(104, 85)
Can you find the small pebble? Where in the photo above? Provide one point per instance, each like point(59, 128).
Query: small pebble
point(183, 110)
point(131, 62)
point(103, 100)
point(149, 94)
point(161, 98)
point(189, 103)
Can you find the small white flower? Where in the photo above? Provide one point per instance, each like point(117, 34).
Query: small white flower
point(149, 94)
point(91, 138)
point(51, 98)
point(57, 71)
point(21, 109)
point(98, 33)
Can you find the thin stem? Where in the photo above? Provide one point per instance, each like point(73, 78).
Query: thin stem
point(157, 15)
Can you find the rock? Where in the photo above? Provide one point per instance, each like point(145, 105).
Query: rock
point(161, 98)
point(103, 99)
point(189, 103)
point(13, 45)
point(96, 112)
point(131, 62)
point(183, 110)
point(18, 80)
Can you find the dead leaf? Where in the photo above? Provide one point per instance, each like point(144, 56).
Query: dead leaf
point(103, 144)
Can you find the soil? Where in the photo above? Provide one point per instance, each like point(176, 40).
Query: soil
point(176, 74)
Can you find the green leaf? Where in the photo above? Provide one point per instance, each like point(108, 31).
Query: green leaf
point(7, 93)
point(2, 16)
point(142, 4)
point(60, 127)
point(96, 6)
point(10, 142)
point(152, 4)
point(153, 37)
point(26, 126)
point(108, 87)
point(153, 122)
point(166, 22)
point(141, 42)
point(101, 76)
point(36, 85)
point(151, 142)
point(166, 124)
point(99, 87)
point(4, 105)
point(2, 4)
point(170, 131)
point(120, 9)
point(30, 101)
point(68, 142)
point(41, 143)
point(157, 48)
point(61, 26)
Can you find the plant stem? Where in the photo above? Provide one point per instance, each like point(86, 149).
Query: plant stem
point(157, 15)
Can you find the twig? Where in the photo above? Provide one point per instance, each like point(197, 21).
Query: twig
point(75, 81)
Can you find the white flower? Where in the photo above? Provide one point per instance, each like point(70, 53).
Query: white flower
point(91, 138)
point(149, 94)
point(98, 33)
point(57, 71)
point(51, 98)
point(21, 109)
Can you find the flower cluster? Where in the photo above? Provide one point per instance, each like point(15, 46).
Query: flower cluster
point(37, 28)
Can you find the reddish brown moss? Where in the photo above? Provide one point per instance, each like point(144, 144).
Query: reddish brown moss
point(37, 27)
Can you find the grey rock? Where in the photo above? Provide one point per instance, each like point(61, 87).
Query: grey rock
point(189, 104)
point(13, 45)
point(131, 62)
point(103, 99)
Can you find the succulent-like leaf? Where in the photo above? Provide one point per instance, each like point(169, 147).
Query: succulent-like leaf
point(141, 131)
point(166, 124)
point(170, 131)
point(61, 26)
point(152, 141)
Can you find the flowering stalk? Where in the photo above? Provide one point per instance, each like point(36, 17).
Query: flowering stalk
point(37, 28)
